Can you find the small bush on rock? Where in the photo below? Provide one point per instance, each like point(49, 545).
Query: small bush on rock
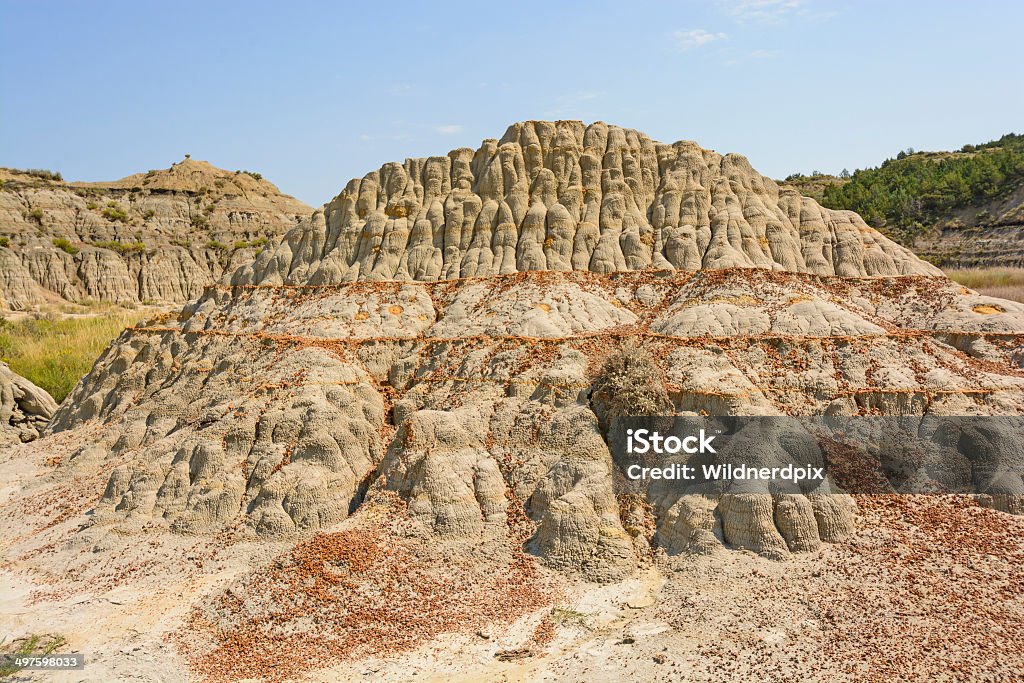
point(629, 383)
point(65, 246)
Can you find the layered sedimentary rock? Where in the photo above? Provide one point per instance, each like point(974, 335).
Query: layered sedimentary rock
point(561, 197)
point(156, 237)
point(436, 334)
point(991, 237)
point(24, 408)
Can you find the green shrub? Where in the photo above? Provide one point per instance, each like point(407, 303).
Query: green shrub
point(121, 248)
point(252, 174)
point(148, 214)
point(65, 245)
point(44, 174)
point(36, 215)
point(115, 213)
point(33, 645)
point(5, 242)
point(91, 206)
point(259, 243)
point(200, 222)
point(214, 244)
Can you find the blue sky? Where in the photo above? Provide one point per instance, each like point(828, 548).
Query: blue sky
point(313, 93)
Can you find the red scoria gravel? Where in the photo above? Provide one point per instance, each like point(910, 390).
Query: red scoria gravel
point(348, 595)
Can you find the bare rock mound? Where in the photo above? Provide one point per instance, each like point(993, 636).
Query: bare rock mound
point(564, 197)
point(24, 408)
point(436, 334)
point(156, 237)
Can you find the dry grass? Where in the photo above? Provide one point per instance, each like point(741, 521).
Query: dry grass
point(1005, 283)
point(1012, 293)
point(55, 352)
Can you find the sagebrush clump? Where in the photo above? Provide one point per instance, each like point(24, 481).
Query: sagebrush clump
point(65, 245)
point(114, 213)
point(44, 174)
point(629, 383)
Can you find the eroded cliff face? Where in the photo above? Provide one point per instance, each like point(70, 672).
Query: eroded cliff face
point(282, 407)
point(157, 237)
point(564, 196)
point(982, 235)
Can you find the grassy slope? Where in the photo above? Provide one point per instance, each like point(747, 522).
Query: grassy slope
point(55, 353)
point(917, 193)
point(1005, 283)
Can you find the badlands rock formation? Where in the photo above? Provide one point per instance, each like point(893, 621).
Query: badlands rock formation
point(24, 408)
point(156, 237)
point(436, 331)
point(565, 197)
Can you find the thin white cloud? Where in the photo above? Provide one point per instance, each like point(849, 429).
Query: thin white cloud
point(695, 37)
point(571, 104)
point(764, 54)
point(448, 129)
point(774, 11)
point(762, 10)
point(366, 137)
point(397, 89)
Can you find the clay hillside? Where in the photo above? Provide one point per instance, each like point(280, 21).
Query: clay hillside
point(156, 237)
point(381, 449)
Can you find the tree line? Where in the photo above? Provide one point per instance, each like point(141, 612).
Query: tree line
point(910, 193)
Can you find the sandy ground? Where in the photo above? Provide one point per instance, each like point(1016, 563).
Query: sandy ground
point(929, 589)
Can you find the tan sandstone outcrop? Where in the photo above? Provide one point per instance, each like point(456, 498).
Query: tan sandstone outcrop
point(436, 333)
point(156, 237)
point(561, 197)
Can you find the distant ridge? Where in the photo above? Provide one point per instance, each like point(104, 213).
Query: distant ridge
point(157, 237)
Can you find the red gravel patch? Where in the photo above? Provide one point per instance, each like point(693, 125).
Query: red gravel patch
point(349, 595)
point(936, 595)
